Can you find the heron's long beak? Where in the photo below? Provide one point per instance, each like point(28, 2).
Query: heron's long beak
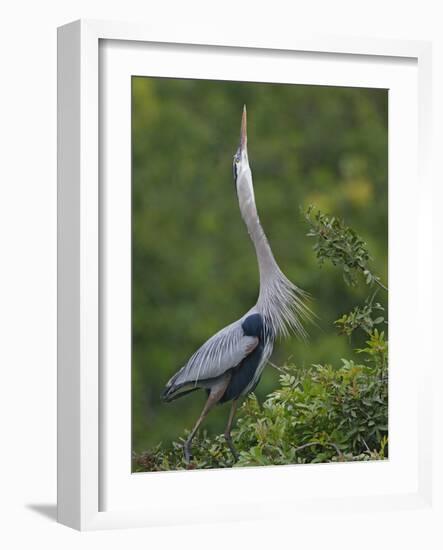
point(243, 131)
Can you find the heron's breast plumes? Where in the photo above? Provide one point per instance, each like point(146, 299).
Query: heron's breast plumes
point(283, 306)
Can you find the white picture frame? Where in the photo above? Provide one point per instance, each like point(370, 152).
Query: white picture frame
point(86, 476)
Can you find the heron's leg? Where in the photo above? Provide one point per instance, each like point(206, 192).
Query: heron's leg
point(229, 427)
point(208, 406)
point(215, 395)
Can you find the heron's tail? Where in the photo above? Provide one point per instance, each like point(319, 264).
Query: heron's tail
point(167, 396)
point(173, 392)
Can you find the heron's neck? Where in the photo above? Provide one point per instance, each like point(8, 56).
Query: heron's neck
point(280, 302)
point(268, 267)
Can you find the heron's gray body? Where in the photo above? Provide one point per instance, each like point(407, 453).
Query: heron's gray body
point(223, 352)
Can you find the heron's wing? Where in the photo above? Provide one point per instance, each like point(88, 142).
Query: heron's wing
point(223, 351)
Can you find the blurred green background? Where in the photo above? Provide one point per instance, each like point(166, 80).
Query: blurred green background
point(194, 267)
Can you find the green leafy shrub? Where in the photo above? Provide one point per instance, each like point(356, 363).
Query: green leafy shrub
point(341, 245)
point(320, 414)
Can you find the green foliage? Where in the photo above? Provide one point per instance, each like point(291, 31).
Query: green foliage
point(364, 317)
point(318, 414)
point(209, 452)
point(377, 348)
point(341, 245)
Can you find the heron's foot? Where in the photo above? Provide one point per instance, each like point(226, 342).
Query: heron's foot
point(187, 452)
point(233, 450)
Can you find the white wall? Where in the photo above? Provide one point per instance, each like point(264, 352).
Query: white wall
point(28, 254)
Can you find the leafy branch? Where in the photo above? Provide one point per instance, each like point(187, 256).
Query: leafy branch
point(341, 245)
point(364, 317)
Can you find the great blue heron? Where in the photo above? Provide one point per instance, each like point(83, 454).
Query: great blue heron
point(229, 365)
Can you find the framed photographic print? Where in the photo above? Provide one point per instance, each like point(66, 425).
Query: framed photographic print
point(238, 242)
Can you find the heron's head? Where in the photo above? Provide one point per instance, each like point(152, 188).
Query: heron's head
point(240, 165)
